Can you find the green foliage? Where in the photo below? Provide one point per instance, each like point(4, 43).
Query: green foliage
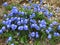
point(8, 7)
point(4, 12)
point(39, 16)
point(44, 35)
point(1, 25)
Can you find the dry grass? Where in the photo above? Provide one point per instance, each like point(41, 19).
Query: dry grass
point(54, 2)
point(51, 2)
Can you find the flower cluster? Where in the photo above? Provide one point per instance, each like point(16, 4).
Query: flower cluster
point(18, 20)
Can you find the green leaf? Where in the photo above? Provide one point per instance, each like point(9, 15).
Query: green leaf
point(8, 7)
point(52, 42)
point(44, 35)
point(38, 43)
point(16, 42)
point(22, 40)
point(5, 12)
point(39, 16)
point(1, 25)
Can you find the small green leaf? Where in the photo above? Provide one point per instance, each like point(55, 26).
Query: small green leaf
point(8, 7)
point(22, 40)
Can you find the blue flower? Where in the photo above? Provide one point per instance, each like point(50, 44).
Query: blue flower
point(51, 25)
point(37, 27)
point(30, 1)
point(18, 19)
point(3, 22)
point(47, 31)
point(32, 34)
point(42, 9)
point(18, 23)
point(20, 28)
point(3, 28)
point(19, 13)
point(34, 5)
point(33, 15)
point(9, 39)
point(10, 14)
point(41, 1)
point(25, 27)
point(38, 6)
point(39, 10)
point(22, 21)
point(30, 16)
point(58, 27)
point(49, 28)
point(55, 23)
point(12, 19)
point(32, 20)
point(51, 14)
point(49, 36)
point(32, 25)
point(39, 21)
point(22, 13)
point(5, 4)
point(35, 10)
point(7, 22)
point(13, 26)
point(14, 7)
point(22, 18)
point(8, 26)
point(29, 7)
point(7, 18)
point(25, 6)
point(1, 31)
point(48, 17)
point(56, 34)
point(14, 10)
point(12, 44)
point(5, 15)
point(25, 21)
point(46, 13)
point(42, 26)
point(43, 22)
point(37, 35)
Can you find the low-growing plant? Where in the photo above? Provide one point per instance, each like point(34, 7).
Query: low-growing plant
point(29, 23)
